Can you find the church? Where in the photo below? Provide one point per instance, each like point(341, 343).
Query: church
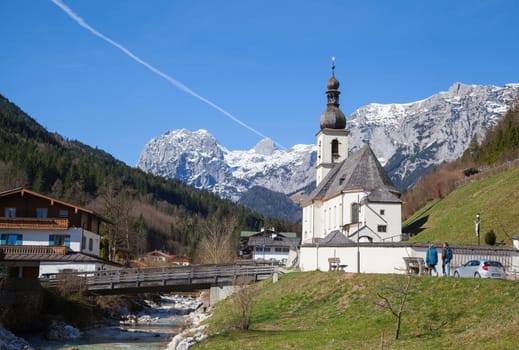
point(354, 199)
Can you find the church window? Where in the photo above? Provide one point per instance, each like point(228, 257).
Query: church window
point(355, 209)
point(382, 211)
point(335, 148)
point(382, 228)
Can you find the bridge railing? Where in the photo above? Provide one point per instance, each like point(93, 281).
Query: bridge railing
point(165, 276)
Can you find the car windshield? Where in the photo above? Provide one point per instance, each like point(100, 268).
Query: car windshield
point(493, 263)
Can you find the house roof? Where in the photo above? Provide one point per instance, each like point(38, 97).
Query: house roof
point(274, 242)
point(70, 257)
point(245, 234)
point(22, 191)
point(159, 253)
point(360, 171)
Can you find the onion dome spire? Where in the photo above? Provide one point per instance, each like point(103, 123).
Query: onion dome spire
point(332, 117)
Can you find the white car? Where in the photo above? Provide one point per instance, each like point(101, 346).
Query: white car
point(481, 269)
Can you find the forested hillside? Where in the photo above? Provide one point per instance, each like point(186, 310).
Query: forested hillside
point(501, 145)
point(149, 212)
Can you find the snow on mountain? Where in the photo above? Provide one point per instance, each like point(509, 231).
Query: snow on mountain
point(411, 138)
point(197, 159)
point(408, 139)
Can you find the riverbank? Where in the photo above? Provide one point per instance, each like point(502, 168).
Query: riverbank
point(151, 329)
point(194, 331)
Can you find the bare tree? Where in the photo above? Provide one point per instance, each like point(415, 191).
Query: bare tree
point(393, 298)
point(116, 205)
point(218, 245)
point(243, 301)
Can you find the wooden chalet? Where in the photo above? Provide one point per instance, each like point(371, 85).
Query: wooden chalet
point(43, 235)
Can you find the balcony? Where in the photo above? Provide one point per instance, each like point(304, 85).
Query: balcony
point(33, 250)
point(33, 223)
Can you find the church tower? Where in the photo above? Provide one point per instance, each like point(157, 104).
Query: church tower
point(332, 139)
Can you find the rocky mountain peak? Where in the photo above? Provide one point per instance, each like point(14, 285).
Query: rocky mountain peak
point(408, 139)
point(265, 147)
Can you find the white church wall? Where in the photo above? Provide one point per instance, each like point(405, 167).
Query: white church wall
point(373, 259)
point(389, 259)
point(384, 214)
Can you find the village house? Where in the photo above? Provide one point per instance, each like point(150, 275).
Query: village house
point(158, 257)
point(41, 235)
point(269, 245)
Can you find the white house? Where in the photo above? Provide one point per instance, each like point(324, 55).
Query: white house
point(353, 196)
point(41, 235)
point(268, 245)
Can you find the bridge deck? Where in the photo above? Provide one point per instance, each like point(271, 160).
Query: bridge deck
point(162, 279)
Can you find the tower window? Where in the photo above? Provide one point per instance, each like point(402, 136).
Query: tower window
point(335, 148)
point(382, 212)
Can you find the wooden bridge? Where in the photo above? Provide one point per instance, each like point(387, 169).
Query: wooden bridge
point(160, 279)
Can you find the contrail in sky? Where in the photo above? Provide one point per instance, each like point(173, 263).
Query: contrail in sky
point(136, 58)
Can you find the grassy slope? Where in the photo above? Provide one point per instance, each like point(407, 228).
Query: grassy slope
point(323, 310)
point(452, 218)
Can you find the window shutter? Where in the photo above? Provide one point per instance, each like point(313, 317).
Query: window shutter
point(3, 239)
point(67, 240)
point(19, 239)
point(51, 239)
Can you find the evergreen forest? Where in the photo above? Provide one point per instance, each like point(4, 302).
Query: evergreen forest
point(148, 212)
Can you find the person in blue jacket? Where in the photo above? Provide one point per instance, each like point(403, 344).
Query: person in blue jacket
point(446, 259)
point(431, 259)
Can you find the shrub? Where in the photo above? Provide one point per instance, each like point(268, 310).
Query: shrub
point(490, 237)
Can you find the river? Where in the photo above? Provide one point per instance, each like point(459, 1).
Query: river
point(154, 329)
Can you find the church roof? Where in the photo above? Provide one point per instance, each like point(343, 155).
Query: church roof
point(360, 171)
point(332, 118)
point(335, 237)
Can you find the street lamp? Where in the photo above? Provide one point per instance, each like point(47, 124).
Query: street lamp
point(477, 222)
point(358, 234)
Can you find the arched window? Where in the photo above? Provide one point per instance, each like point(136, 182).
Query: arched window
point(355, 208)
point(335, 148)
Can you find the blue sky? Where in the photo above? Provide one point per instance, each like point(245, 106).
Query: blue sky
point(265, 63)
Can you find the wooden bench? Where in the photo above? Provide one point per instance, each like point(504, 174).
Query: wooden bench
point(335, 264)
point(415, 265)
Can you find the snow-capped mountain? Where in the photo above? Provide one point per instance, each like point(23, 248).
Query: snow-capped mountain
point(411, 138)
point(197, 158)
point(407, 138)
